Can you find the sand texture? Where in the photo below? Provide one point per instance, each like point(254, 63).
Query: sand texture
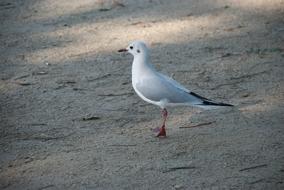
point(69, 118)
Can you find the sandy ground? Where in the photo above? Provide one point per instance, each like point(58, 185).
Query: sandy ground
point(71, 120)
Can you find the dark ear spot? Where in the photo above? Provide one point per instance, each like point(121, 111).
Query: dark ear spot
point(138, 51)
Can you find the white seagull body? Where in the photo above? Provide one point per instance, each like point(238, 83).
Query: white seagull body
point(159, 89)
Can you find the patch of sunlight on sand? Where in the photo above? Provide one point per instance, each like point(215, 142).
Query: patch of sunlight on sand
point(111, 35)
point(62, 8)
point(259, 4)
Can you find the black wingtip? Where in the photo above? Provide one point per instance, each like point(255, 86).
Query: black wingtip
point(208, 103)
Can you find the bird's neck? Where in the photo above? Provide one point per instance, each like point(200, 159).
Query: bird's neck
point(141, 58)
point(140, 66)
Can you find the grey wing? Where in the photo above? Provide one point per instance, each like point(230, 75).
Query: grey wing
point(156, 88)
point(175, 83)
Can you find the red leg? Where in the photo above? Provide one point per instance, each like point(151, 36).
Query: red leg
point(162, 130)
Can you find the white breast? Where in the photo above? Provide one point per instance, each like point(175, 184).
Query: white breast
point(139, 70)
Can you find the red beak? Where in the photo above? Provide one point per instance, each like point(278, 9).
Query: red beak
point(122, 50)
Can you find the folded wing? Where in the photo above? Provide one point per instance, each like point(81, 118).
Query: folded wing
point(158, 87)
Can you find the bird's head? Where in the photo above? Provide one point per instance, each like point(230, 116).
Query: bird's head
point(136, 48)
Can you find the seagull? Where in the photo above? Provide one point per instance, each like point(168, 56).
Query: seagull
point(159, 89)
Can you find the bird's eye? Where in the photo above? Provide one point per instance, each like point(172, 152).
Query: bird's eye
point(131, 47)
point(138, 51)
